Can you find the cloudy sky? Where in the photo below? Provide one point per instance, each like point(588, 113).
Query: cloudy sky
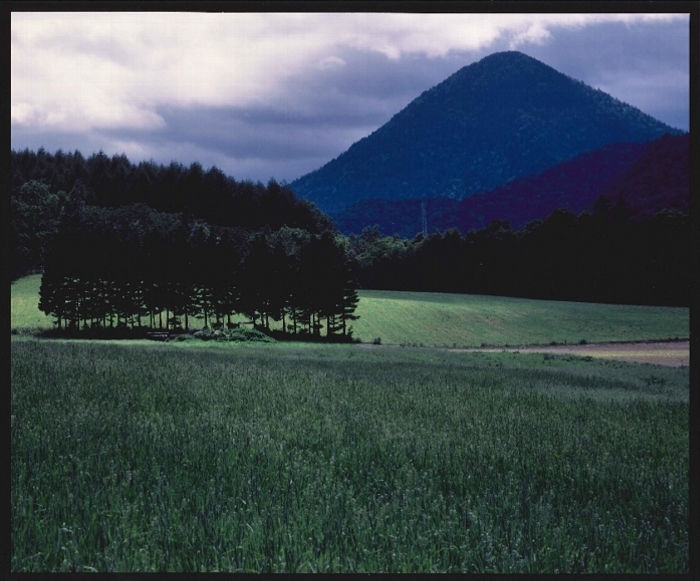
point(278, 95)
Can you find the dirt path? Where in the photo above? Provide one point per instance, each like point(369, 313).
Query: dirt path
point(672, 354)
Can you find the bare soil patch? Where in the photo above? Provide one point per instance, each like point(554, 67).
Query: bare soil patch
point(672, 353)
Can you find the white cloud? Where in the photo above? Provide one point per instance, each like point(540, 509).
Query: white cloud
point(331, 62)
point(531, 32)
point(132, 149)
point(21, 113)
point(80, 71)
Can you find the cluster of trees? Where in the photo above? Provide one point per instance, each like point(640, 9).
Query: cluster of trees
point(135, 267)
point(592, 257)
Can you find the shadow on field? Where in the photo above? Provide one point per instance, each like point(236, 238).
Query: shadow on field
point(258, 334)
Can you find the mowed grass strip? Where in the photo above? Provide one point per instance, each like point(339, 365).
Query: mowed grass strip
point(642, 354)
point(343, 458)
point(671, 355)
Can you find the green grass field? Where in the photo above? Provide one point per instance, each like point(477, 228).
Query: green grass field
point(173, 457)
point(202, 456)
point(25, 313)
point(452, 320)
point(439, 319)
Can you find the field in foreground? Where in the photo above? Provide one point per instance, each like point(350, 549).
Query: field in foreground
point(454, 320)
point(343, 458)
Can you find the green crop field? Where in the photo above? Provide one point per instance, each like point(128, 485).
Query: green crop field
point(453, 320)
point(169, 457)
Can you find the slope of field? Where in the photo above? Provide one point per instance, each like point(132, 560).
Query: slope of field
point(342, 458)
point(454, 320)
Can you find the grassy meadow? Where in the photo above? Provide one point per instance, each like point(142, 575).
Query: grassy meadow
point(454, 320)
point(201, 456)
point(24, 312)
point(170, 457)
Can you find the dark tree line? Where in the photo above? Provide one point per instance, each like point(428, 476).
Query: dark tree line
point(211, 195)
point(599, 257)
point(35, 214)
point(134, 267)
point(186, 240)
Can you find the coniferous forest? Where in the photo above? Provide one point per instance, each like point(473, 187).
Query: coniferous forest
point(125, 245)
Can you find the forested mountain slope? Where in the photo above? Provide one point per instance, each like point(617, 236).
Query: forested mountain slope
point(658, 180)
point(503, 117)
point(573, 185)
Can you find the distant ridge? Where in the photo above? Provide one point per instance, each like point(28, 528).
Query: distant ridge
point(503, 117)
point(648, 176)
point(658, 180)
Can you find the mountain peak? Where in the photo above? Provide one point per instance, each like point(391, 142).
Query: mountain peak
point(505, 116)
point(507, 56)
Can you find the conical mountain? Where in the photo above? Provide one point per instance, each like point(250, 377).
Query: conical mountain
point(505, 116)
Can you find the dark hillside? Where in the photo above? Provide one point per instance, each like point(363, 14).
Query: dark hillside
point(504, 117)
point(658, 180)
point(573, 185)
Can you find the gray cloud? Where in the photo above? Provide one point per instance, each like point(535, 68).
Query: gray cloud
point(288, 120)
point(312, 119)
